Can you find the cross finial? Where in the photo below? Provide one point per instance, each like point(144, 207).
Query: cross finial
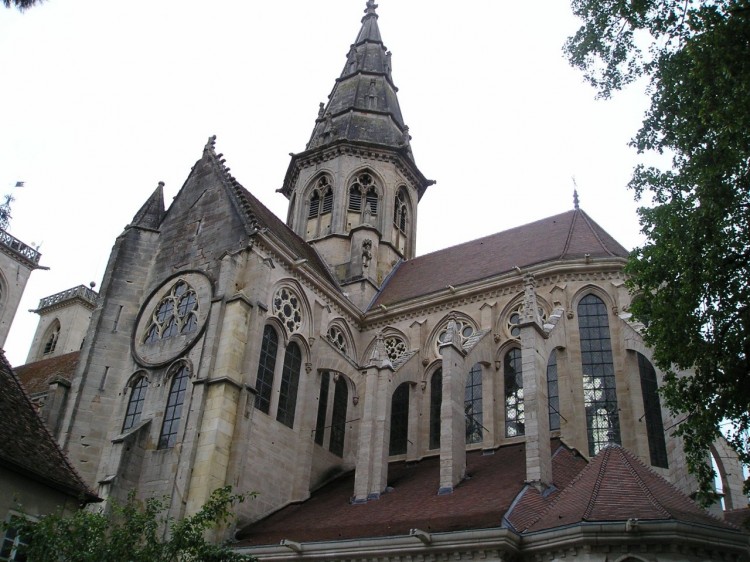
point(371, 7)
point(575, 199)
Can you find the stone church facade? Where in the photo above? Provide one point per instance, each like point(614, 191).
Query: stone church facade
point(229, 347)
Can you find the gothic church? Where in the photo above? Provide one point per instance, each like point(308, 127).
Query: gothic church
point(492, 400)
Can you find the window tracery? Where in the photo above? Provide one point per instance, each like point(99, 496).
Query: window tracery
point(288, 308)
point(395, 347)
point(176, 313)
point(363, 196)
point(321, 198)
point(463, 327)
point(515, 317)
point(337, 338)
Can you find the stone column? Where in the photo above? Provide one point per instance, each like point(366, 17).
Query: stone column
point(452, 416)
point(371, 474)
point(535, 401)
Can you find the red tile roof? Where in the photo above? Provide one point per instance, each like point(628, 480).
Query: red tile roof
point(36, 376)
point(478, 502)
point(567, 236)
point(617, 486)
point(27, 447)
point(739, 517)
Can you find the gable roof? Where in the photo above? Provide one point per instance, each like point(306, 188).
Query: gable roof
point(617, 486)
point(568, 236)
point(27, 447)
point(36, 376)
point(480, 501)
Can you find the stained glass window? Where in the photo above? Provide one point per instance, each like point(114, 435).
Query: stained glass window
point(514, 411)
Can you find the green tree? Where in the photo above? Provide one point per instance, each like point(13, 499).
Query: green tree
point(21, 4)
point(132, 532)
point(691, 277)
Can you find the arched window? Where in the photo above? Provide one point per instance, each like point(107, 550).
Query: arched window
point(657, 445)
point(514, 412)
point(436, 400)
point(473, 405)
point(135, 403)
point(51, 340)
point(176, 313)
point(266, 366)
point(289, 385)
point(399, 420)
point(400, 211)
point(363, 199)
point(338, 417)
point(173, 412)
point(599, 394)
point(553, 392)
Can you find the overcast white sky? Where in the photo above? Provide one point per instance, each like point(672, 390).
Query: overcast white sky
point(100, 100)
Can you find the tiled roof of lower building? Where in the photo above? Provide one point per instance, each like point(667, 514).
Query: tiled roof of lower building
point(36, 376)
point(27, 447)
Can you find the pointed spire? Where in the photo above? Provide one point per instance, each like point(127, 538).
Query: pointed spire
point(575, 199)
point(151, 213)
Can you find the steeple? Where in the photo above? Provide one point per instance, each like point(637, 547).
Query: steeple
point(363, 105)
point(353, 192)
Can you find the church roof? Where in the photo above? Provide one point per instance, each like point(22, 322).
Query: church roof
point(27, 447)
point(37, 376)
point(617, 486)
point(151, 213)
point(568, 236)
point(363, 105)
point(412, 501)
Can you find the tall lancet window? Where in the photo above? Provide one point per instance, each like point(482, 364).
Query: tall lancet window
point(400, 219)
point(320, 208)
point(515, 416)
point(436, 400)
point(657, 445)
point(399, 420)
point(599, 392)
point(363, 201)
point(473, 405)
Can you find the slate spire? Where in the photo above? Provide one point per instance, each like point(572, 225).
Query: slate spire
point(363, 105)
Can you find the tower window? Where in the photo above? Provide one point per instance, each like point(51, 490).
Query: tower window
point(514, 410)
point(321, 199)
point(135, 403)
point(599, 393)
point(400, 211)
point(363, 199)
point(51, 342)
point(173, 413)
point(399, 420)
point(266, 365)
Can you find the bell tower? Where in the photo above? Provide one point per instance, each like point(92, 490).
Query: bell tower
point(353, 192)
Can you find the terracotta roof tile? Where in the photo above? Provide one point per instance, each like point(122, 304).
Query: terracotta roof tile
point(617, 486)
point(36, 376)
point(567, 236)
point(25, 444)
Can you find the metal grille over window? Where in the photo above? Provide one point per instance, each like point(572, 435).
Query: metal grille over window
point(266, 366)
point(465, 331)
point(135, 403)
point(657, 445)
point(473, 405)
point(177, 313)
point(321, 200)
point(514, 411)
point(399, 420)
point(395, 347)
point(553, 392)
point(173, 413)
point(336, 337)
point(288, 309)
point(599, 393)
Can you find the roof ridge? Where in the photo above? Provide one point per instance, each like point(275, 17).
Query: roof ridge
point(597, 484)
point(594, 232)
point(566, 247)
point(642, 484)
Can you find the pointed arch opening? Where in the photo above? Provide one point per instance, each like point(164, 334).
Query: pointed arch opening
point(173, 412)
point(136, 401)
point(363, 206)
point(399, 435)
point(657, 445)
point(50, 338)
point(320, 208)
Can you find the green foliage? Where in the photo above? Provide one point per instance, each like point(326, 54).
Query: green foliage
point(21, 4)
point(691, 276)
point(133, 532)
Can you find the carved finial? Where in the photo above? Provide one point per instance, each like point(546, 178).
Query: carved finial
point(371, 7)
point(161, 184)
point(575, 199)
point(321, 110)
point(211, 144)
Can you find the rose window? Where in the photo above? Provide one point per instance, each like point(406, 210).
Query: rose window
point(288, 309)
point(336, 337)
point(395, 347)
point(176, 313)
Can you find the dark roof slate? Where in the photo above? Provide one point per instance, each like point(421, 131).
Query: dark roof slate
point(36, 376)
point(567, 236)
point(617, 486)
point(27, 447)
point(478, 502)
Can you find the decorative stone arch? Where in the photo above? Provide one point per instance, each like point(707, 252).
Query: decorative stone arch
point(304, 347)
point(591, 289)
point(378, 185)
point(514, 307)
point(730, 474)
point(337, 332)
point(461, 318)
point(175, 366)
point(305, 321)
point(278, 327)
point(387, 333)
point(131, 380)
